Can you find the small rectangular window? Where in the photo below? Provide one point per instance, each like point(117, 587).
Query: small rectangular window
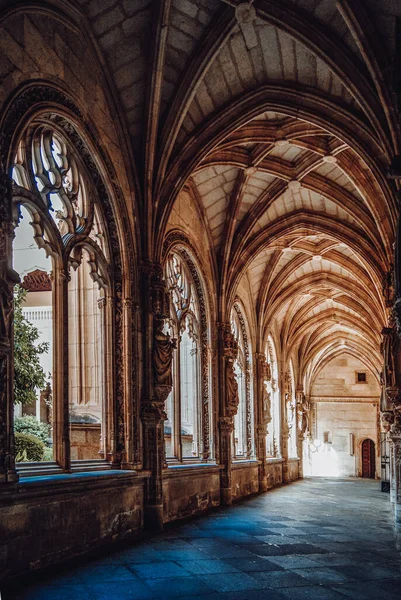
point(361, 377)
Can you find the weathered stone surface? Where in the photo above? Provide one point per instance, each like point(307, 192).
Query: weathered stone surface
point(45, 523)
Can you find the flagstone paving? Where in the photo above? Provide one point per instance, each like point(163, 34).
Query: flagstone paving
point(316, 539)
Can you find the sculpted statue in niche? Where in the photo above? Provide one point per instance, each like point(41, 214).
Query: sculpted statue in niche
point(230, 355)
point(264, 378)
point(6, 306)
point(163, 347)
point(390, 376)
point(303, 409)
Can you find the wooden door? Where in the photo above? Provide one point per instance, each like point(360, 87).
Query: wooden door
point(368, 459)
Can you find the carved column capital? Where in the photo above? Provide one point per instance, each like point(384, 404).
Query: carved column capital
point(226, 425)
point(153, 413)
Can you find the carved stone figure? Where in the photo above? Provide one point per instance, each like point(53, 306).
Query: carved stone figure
point(230, 349)
point(264, 376)
point(6, 307)
point(232, 397)
point(267, 416)
point(163, 347)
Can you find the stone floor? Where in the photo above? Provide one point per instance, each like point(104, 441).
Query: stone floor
point(317, 539)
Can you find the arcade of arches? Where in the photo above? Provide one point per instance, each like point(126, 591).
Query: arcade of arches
point(200, 198)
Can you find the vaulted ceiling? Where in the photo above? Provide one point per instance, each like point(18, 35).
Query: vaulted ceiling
point(279, 120)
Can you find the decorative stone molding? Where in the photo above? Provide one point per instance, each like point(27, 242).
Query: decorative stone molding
point(37, 281)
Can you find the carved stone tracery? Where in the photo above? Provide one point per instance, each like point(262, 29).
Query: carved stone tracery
point(179, 242)
point(248, 375)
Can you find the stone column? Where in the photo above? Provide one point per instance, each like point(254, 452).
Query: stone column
point(264, 417)
point(157, 386)
point(8, 278)
point(229, 400)
point(61, 431)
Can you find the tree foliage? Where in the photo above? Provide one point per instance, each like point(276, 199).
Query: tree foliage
point(30, 424)
point(28, 373)
point(28, 448)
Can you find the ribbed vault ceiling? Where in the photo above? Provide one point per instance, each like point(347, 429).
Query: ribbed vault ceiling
point(281, 128)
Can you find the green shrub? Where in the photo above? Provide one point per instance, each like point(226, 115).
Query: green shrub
point(29, 424)
point(28, 448)
point(48, 454)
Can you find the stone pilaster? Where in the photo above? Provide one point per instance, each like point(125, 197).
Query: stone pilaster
point(157, 386)
point(8, 278)
point(264, 417)
point(229, 400)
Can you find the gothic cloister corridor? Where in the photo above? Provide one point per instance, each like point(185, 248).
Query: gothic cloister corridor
point(316, 539)
point(200, 298)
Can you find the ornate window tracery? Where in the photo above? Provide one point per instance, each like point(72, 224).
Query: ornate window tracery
point(273, 445)
point(186, 429)
point(55, 189)
point(243, 420)
point(291, 414)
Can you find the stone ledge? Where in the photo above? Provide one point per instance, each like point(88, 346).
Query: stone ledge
point(244, 464)
point(190, 469)
point(274, 461)
point(67, 483)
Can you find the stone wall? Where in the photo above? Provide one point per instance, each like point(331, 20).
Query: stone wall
point(293, 469)
point(274, 469)
point(339, 457)
point(50, 519)
point(244, 479)
point(342, 407)
point(85, 441)
point(190, 490)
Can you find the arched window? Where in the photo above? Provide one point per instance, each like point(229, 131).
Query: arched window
point(55, 192)
point(273, 429)
point(243, 420)
point(291, 414)
point(186, 430)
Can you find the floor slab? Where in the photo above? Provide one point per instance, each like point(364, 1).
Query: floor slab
point(316, 539)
